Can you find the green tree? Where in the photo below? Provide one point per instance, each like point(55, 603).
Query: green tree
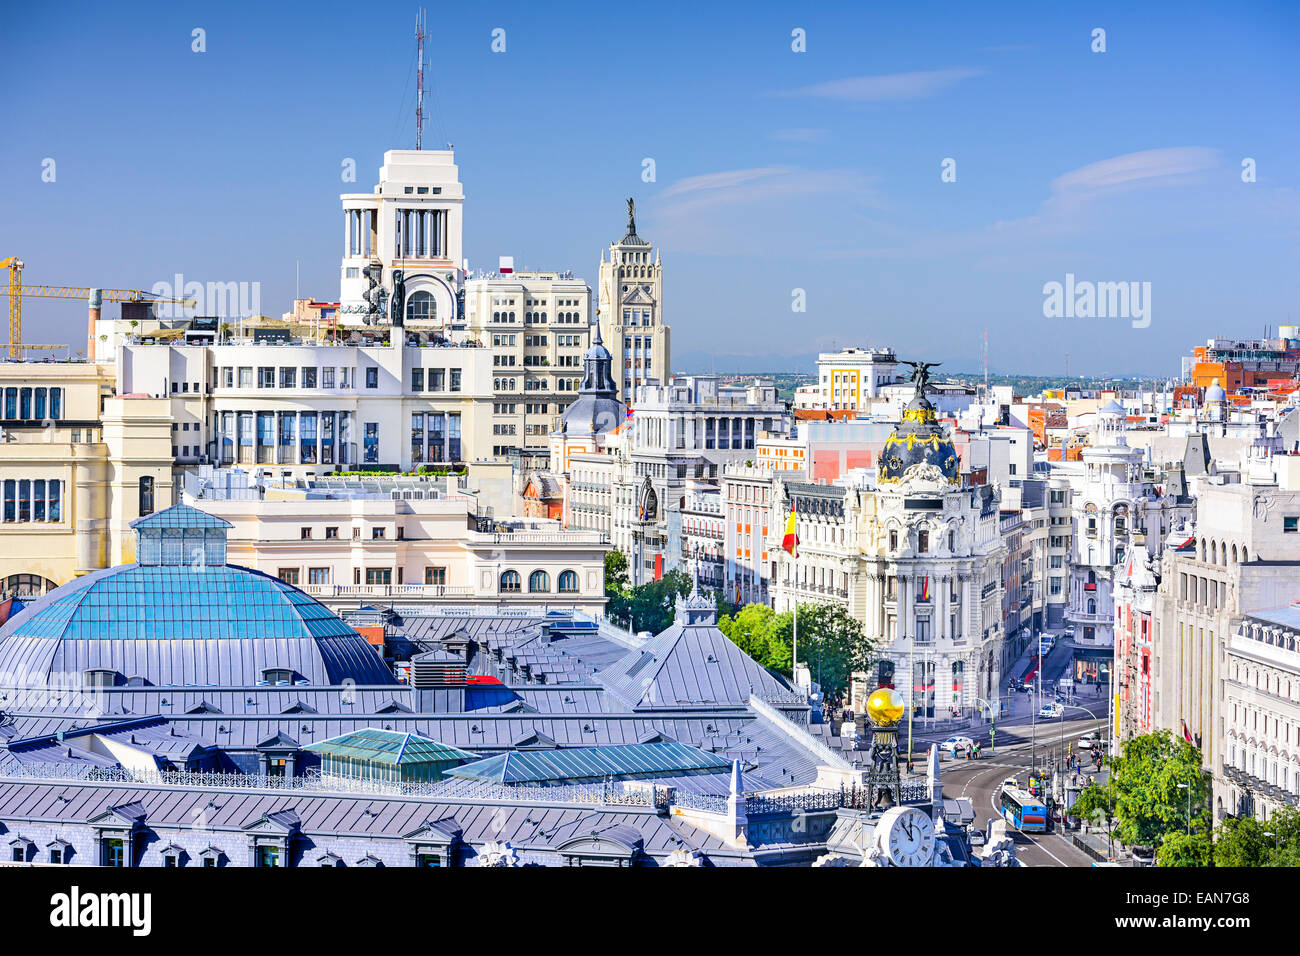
point(1096, 804)
point(831, 641)
point(615, 571)
point(1246, 841)
point(1149, 803)
point(833, 645)
point(1186, 849)
point(750, 629)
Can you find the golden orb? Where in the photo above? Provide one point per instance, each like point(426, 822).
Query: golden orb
point(885, 706)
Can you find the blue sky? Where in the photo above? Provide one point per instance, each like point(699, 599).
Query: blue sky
point(775, 170)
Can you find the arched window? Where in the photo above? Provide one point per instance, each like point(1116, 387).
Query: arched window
point(510, 582)
point(1092, 607)
point(421, 305)
point(568, 582)
point(539, 582)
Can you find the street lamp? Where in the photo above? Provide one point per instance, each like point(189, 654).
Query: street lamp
point(1183, 786)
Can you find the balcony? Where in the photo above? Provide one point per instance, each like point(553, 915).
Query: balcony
point(386, 590)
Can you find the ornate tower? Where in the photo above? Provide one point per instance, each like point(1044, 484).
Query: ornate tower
point(631, 311)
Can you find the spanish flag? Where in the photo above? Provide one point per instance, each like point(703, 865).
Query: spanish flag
point(790, 542)
point(925, 588)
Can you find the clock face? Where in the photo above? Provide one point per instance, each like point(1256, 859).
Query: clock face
point(907, 836)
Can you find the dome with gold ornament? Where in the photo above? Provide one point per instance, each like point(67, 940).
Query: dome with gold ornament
point(919, 438)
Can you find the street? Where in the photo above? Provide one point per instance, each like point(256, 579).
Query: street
point(980, 780)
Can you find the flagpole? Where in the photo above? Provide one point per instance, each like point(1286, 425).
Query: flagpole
point(794, 648)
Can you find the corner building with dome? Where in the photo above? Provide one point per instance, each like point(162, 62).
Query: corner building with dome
point(917, 557)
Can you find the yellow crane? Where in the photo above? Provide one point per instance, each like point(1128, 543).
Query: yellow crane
point(16, 290)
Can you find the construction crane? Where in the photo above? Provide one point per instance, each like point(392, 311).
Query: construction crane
point(16, 290)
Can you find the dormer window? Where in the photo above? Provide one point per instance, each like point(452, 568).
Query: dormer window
point(100, 678)
point(278, 676)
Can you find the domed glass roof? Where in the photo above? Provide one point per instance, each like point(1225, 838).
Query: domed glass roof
point(133, 602)
point(182, 616)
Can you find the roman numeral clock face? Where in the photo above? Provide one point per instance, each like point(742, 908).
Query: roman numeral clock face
point(908, 837)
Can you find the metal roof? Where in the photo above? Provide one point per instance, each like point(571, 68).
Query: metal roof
point(591, 763)
point(688, 665)
point(389, 747)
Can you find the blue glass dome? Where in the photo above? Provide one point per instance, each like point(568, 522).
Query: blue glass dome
point(170, 623)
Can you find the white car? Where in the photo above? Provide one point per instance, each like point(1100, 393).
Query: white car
point(954, 744)
point(1050, 710)
point(1087, 741)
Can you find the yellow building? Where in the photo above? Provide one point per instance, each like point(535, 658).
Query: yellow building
point(76, 466)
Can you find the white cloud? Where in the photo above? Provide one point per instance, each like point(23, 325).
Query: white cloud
point(886, 87)
point(1148, 167)
point(723, 180)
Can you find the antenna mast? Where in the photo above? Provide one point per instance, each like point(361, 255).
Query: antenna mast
point(419, 80)
point(986, 364)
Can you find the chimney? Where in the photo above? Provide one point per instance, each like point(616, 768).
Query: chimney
point(96, 303)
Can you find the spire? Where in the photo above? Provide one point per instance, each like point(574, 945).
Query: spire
point(598, 340)
point(631, 216)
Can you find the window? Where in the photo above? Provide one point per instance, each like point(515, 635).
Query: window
point(304, 534)
point(568, 582)
point(268, 856)
point(378, 534)
point(289, 378)
point(455, 380)
point(510, 582)
point(309, 377)
point(539, 582)
point(245, 377)
point(922, 541)
point(370, 442)
point(288, 575)
point(278, 676)
point(435, 576)
point(146, 495)
point(421, 305)
point(327, 378)
point(372, 377)
point(331, 533)
point(417, 380)
point(379, 575)
point(318, 575)
point(1290, 525)
point(437, 379)
point(114, 852)
point(265, 377)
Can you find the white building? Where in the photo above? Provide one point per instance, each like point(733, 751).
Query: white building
point(852, 378)
point(410, 224)
point(1261, 716)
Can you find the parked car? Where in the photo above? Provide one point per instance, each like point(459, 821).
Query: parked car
point(956, 744)
point(1144, 856)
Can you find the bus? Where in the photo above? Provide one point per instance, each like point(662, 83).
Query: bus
point(1023, 811)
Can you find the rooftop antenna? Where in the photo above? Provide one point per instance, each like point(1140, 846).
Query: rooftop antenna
point(986, 364)
point(419, 80)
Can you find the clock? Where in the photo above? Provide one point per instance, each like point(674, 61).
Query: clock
point(906, 836)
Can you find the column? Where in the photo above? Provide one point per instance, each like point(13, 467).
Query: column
point(368, 218)
point(347, 232)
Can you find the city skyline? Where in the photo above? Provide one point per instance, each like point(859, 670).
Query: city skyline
point(1118, 166)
